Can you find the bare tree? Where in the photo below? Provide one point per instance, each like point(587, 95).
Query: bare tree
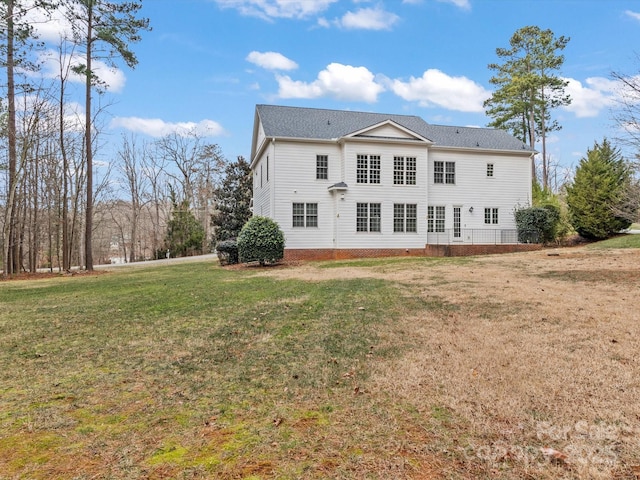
point(626, 115)
point(135, 184)
point(197, 169)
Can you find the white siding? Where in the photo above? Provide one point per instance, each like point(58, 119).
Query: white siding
point(509, 187)
point(385, 193)
point(295, 182)
point(263, 189)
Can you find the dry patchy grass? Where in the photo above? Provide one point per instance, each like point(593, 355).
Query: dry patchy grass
point(531, 368)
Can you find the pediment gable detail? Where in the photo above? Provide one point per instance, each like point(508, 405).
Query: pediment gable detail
point(388, 130)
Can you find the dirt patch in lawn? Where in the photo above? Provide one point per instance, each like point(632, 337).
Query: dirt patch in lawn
point(531, 368)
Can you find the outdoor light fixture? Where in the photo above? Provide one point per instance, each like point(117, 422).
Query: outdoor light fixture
point(470, 209)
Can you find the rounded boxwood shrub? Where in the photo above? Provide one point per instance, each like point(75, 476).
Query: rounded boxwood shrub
point(227, 252)
point(261, 240)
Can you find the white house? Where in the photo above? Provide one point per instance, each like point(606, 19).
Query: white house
point(343, 184)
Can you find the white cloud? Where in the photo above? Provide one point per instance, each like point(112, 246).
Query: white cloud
point(464, 4)
point(342, 82)
point(156, 127)
point(271, 61)
point(368, 19)
point(113, 78)
point(588, 100)
point(323, 22)
point(269, 9)
point(436, 88)
point(48, 26)
point(634, 15)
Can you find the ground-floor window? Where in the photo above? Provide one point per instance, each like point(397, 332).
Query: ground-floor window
point(491, 216)
point(305, 214)
point(405, 217)
point(435, 218)
point(368, 217)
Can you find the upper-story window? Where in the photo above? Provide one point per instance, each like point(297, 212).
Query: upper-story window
point(489, 169)
point(444, 172)
point(368, 169)
point(322, 167)
point(404, 170)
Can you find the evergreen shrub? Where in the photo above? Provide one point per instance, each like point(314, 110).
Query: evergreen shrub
point(228, 252)
point(261, 240)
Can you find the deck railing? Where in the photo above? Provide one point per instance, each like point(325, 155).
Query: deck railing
point(481, 236)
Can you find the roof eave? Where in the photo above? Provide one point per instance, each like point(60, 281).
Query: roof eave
point(503, 151)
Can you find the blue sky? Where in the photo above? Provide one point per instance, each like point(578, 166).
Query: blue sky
point(207, 63)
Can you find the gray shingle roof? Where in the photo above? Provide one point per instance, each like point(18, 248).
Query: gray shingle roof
point(313, 123)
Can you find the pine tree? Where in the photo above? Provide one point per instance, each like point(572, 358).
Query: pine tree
point(528, 87)
point(233, 200)
point(598, 189)
point(184, 233)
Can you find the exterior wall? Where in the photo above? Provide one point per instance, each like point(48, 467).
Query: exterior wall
point(263, 187)
point(385, 193)
point(509, 187)
point(295, 182)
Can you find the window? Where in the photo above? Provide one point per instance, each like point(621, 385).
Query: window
point(305, 214)
point(368, 169)
point(368, 217)
point(490, 216)
point(450, 172)
point(435, 219)
point(489, 169)
point(405, 217)
point(322, 167)
point(438, 172)
point(404, 170)
point(267, 169)
point(444, 172)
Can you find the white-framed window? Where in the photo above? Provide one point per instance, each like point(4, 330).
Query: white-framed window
point(435, 218)
point(489, 169)
point(305, 215)
point(322, 167)
point(368, 169)
point(404, 170)
point(444, 172)
point(450, 172)
point(490, 216)
point(405, 217)
point(368, 217)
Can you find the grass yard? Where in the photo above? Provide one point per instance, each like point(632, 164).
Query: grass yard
point(501, 367)
point(620, 241)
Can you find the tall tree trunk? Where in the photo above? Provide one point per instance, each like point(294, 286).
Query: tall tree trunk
point(88, 246)
point(8, 231)
point(66, 243)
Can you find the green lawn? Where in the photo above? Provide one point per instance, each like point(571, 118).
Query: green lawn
point(188, 371)
point(620, 241)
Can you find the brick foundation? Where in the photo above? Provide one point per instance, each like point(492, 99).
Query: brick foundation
point(459, 250)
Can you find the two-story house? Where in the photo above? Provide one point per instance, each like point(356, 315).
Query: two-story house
point(349, 184)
